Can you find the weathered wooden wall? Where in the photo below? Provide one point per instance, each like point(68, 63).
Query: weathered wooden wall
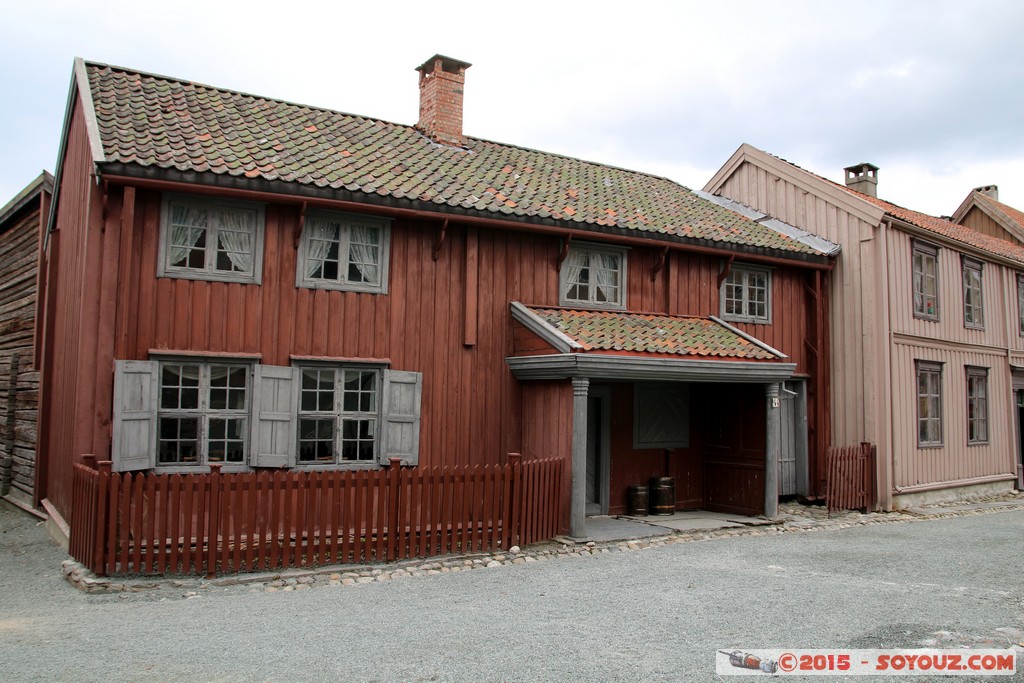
point(633, 467)
point(19, 378)
point(432, 319)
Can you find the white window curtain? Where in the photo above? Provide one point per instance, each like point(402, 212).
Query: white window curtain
point(605, 268)
point(574, 263)
point(188, 224)
point(363, 252)
point(235, 235)
point(321, 235)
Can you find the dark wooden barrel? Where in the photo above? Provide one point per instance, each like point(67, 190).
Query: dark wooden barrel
point(639, 501)
point(663, 495)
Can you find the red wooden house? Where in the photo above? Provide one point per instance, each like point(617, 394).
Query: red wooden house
point(250, 283)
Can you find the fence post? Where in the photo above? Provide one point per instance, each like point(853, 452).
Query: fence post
point(394, 491)
point(214, 528)
point(515, 523)
point(99, 548)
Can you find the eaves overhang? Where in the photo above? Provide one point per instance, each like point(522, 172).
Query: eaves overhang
point(126, 172)
point(625, 368)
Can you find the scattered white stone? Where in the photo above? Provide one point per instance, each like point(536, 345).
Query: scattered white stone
point(515, 550)
point(493, 563)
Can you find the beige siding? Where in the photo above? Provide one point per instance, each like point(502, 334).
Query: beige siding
point(955, 460)
point(950, 326)
point(976, 219)
point(851, 407)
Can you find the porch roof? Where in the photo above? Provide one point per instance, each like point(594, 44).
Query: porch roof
point(580, 331)
point(642, 346)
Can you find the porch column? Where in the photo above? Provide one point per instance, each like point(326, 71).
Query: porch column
point(772, 450)
point(578, 502)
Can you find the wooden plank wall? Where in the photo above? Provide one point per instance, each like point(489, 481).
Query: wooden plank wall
point(977, 219)
point(756, 187)
point(955, 460)
point(19, 380)
point(472, 406)
point(69, 414)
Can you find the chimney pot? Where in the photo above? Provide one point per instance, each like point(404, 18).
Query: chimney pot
point(989, 191)
point(441, 85)
point(863, 178)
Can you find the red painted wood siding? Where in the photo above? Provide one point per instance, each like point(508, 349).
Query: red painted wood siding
point(112, 305)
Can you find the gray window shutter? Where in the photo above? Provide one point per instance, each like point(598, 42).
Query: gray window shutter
point(274, 424)
point(133, 438)
point(401, 439)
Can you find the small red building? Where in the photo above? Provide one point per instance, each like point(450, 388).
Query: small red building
point(257, 284)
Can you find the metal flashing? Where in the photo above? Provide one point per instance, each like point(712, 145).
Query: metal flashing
point(540, 327)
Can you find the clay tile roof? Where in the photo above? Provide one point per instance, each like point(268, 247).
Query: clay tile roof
point(648, 333)
point(948, 229)
point(160, 123)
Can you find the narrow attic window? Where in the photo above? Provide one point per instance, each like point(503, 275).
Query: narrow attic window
point(594, 277)
point(211, 239)
point(344, 251)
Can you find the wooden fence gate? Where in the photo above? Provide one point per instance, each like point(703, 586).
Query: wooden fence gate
point(851, 477)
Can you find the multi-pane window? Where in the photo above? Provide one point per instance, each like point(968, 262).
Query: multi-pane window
point(746, 295)
point(592, 276)
point(929, 403)
point(343, 251)
point(926, 281)
point(211, 239)
point(338, 414)
point(977, 405)
point(202, 413)
point(974, 315)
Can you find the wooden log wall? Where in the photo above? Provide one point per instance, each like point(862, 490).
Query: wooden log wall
point(19, 381)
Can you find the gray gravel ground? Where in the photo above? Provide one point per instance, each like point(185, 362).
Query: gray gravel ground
point(653, 614)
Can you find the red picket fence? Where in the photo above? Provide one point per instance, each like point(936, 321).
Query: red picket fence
point(851, 477)
point(215, 523)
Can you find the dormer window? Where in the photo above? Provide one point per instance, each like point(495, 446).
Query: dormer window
point(593, 277)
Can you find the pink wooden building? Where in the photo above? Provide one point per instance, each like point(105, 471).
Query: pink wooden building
point(927, 323)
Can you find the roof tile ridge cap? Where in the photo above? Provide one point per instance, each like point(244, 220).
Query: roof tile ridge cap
point(231, 91)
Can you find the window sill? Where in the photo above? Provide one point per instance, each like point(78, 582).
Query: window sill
point(209, 277)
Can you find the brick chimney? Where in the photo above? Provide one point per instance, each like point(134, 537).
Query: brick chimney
point(863, 178)
point(441, 82)
point(991, 191)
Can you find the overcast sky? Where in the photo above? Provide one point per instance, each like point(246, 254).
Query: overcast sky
point(930, 91)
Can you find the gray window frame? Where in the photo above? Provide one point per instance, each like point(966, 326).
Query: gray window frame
point(929, 369)
point(927, 252)
point(977, 377)
point(209, 272)
point(970, 268)
point(622, 253)
point(1020, 303)
point(744, 271)
point(346, 221)
point(203, 413)
point(339, 415)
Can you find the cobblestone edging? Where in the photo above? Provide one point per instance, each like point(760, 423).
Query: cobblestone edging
point(793, 518)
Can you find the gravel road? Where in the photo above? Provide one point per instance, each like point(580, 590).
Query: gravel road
point(654, 614)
